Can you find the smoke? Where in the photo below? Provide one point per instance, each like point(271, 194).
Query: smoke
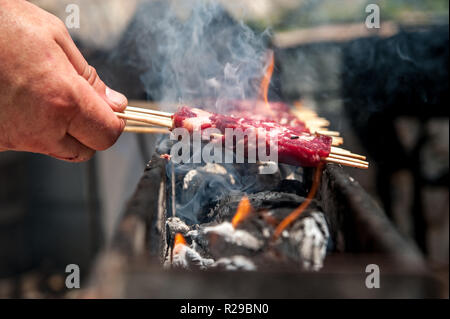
point(193, 51)
point(199, 186)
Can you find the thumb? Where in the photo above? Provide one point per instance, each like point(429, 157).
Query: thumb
point(117, 101)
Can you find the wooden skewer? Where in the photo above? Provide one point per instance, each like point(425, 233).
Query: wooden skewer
point(348, 159)
point(145, 119)
point(146, 130)
point(328, 133)
point(317, 122)
point(336, 141)
point(344, 162)
point(138, 123)
point(341, 151)
point(138, 116)
point(305, 113)
point(148, 111)
point(313, 130)
point(156, 117)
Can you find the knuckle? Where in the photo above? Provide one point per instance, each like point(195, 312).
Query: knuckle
point(96, 82)
point(62, 99)
point(59, 26)
point(92, 75)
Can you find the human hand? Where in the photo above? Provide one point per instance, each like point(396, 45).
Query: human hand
point(51, 101)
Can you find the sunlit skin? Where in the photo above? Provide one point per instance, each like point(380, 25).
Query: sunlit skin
point(52, 102)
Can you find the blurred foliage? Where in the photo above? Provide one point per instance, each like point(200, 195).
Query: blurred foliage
point(398, 9)
point(310, 13)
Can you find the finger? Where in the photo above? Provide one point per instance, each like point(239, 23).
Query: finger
point(95, 124)
point(70, 150)
point(116, 100)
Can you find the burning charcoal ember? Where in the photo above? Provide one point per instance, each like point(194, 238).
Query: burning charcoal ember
point(165, 156)
point(185, 257)
point(175, 225)
point(281, 204)
point(307, 240)
point(235, 263)
point(303, 150)
point(224, 240)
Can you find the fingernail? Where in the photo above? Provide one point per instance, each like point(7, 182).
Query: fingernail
point(115, 97)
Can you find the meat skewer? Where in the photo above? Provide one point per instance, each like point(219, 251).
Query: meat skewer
point(297, 146)
point(281, 116)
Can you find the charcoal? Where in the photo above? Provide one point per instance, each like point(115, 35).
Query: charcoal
point(175, 225)
point(185, 257)
point(282, 203)
point(306, 241)
point(235, 263)
point(208, 195)
point(199, 177)
point(265, 167)
point(289, 172)
point(224, 240)
point(292, 186)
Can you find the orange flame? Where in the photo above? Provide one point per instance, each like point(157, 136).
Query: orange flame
point(179, 240)
point(178, 245)
point(243, 210)
point(264, 89)
point(267, 77)
point(297, 212)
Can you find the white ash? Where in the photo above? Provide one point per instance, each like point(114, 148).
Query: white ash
point(267, 167)
point(189, 178)
point(290, 172)
point(176, 225)
point(195, 177)
point(185, 257)
point(306, 241)
point(309, 237)
point(232, 236)
point(233, 263)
